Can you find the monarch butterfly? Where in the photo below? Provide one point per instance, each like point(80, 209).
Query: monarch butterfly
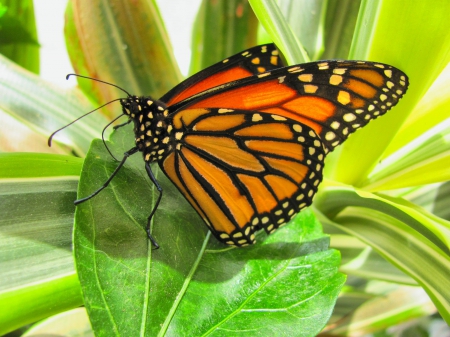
point(245, 140)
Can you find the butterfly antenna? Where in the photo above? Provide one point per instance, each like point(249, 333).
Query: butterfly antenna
point(103, 135)
point(65, 126)
point(95, 79)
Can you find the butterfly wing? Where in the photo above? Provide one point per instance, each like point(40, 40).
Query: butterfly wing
point(250, 62)
point(247, 147)
point(242, 170)
point(335, 98)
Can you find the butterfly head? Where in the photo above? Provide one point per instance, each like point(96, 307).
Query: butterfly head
point(134, 106)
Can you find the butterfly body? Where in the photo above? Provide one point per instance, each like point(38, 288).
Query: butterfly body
point(245, 140)
point(152, 128)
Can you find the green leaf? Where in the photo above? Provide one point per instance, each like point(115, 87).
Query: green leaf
point(270, 16)
point(13, 32)
point(434, 198)
point(429, 112)
point(120, 42)
point(44, 108)
point(72, 323)
point(386, 32)
point(35, 165)
point(18, 35)
point(358, 259)
point(36, 264)
point(411, 165)
point(222, 28)
point(307, 19)
point(192, 285)
point(404, 234)
point(365, 307)
point(339, 28)
point(324, 28)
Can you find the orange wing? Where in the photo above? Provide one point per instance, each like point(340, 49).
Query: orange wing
point(243, 170)
point(250, 62)
point(335, 98)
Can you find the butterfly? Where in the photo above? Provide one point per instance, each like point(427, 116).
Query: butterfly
point(245, 140)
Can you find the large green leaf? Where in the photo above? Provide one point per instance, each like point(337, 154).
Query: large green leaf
point(192, 285)
point(36, 264)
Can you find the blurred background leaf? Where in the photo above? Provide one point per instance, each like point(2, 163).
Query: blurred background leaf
point(18, 35)
point(36, 264)
point(222, 28)
point(127, 44)
point(41, 108)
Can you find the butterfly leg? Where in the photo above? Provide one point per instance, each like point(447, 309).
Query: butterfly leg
point(125, 157)
point(103, 133)
point(159, 188)
point(123, 124)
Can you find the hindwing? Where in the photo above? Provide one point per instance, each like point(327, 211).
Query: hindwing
point(244, 170)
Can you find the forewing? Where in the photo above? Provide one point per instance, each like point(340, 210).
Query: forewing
point(250, 62)
point(335, 98)
point(242, 170)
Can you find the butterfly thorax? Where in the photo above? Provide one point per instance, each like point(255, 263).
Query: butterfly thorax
point(152, 128)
